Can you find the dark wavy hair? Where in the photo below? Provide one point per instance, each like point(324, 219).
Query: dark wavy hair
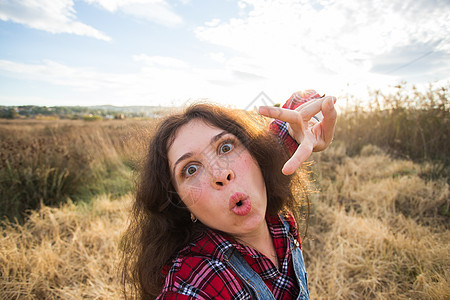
point(160, 224)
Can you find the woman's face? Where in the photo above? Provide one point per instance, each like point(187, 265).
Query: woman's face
point(217, 179)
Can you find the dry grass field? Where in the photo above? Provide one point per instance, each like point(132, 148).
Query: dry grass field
point(376, 232)
point(379, 226)
point(70, 252)
point(50, 161)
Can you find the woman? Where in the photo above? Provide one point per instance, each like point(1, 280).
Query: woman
point(213, 212)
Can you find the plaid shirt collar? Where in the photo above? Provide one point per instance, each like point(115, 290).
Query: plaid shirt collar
point(215, 244)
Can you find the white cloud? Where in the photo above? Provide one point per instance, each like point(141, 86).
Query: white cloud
point(158, 11)
point(160, 61)
point(58, 74)
point(218, 56)
point(327, 42)
point(273, 46)
point(213, 22)
point(55, 16)
point(160, 80)
point(59, 16)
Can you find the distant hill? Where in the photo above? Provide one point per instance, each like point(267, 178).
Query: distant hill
point(78, 112)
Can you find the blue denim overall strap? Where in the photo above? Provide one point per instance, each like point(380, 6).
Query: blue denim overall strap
point(299, 264)
point(254, 284)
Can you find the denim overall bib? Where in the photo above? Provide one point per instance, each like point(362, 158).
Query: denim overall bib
point(253, 283)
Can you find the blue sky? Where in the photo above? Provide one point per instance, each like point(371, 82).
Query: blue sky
point(161, 52)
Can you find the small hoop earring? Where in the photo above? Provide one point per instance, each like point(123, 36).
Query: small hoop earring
point(193, 218)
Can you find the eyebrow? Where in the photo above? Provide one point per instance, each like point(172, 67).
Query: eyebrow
point(190, 154)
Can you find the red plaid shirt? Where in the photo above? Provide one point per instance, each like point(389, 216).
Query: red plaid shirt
point(199, 271)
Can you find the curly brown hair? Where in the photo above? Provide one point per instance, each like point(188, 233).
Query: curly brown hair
point(160, 224)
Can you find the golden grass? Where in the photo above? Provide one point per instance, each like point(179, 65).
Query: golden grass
point(51, 161)
point(378, 229)
point(374, 234)
point(69, 252)
point(407, 123)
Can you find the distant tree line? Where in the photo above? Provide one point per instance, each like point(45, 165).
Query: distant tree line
point(77, 112)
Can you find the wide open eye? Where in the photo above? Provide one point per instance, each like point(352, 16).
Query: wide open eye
point(190, 170)
point(226, 147)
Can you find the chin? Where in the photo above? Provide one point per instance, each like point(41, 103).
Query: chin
point(252, 222)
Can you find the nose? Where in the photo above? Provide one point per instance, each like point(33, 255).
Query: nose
point(221, 177)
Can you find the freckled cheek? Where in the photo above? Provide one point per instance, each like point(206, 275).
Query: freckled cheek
point(193, 192)
point(248, 169)
point(244, 165)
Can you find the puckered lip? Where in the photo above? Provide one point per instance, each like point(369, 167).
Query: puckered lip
point(236, 198)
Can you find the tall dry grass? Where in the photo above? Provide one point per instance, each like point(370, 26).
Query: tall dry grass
point(49, 162)
point(378, 230)
point(70, 252)
point(379, 227)
point(408, 124)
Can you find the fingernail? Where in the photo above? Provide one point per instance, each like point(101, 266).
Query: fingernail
point(332, 102)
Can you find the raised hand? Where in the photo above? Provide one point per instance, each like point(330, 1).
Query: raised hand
point(310, 134)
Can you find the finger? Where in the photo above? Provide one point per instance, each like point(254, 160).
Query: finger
point(302, 153)
point(283, 114)
point(307, 110)
point(329, 119)
point(312, 108)
point(319, 116)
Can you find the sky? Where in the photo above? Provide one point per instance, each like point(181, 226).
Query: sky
point(173, 52)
